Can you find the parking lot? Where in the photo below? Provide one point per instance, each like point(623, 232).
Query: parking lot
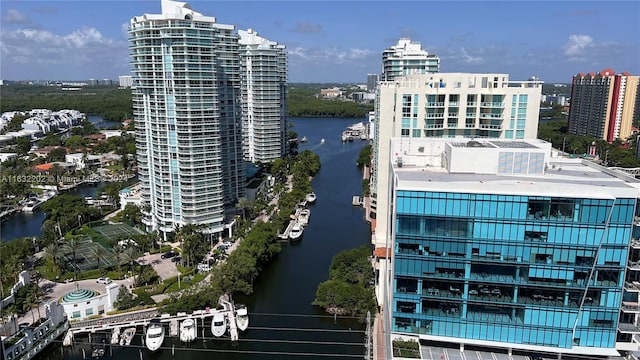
point(164, 267)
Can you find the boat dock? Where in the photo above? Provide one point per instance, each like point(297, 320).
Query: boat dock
point(144, 317)
point(355, 201)
point(301, 216)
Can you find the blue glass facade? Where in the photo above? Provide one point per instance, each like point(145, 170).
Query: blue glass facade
point(506, 268)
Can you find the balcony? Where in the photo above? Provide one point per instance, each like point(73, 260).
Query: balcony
point(635, 244)
point(628, 328)
point(471, 103)
point(490, 116)
point(634, 265)
point(492, 105)
point(632, 286)
point(435, 104)
point(435, 116)
point(630, 307)
point(490, 127)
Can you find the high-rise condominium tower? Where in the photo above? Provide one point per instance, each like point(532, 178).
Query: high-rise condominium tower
point(406, 58)
point(604, 105)
point(264, 90)
point(186, 99)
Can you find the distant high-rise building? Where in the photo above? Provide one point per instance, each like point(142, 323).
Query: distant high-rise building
point(407, 58)
point(186, 100)
point(449, 105)
point(604, 105)
point(125, 81)
point(92, 82)
point(372, 80)
point(263, 76)
point(106, 82)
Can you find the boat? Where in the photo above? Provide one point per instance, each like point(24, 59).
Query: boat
point(242, 317)
point(98, 350)
point(32, 204)
point(296, 231)
point(345, 136)
point(115, 335)
point(304, 139)
point(127, 336)
point(155, 335)
point(322, 141)
point(187, 330)
point(219, 325)
point(311, 197)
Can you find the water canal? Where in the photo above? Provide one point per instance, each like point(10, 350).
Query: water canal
point(283, 323)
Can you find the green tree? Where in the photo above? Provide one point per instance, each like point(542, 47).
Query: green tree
point(75, 142)
point(23, 145)
point(97, 252)
point(57, 154)
point(364, 157)
point(72, 246)
point(53, 252)
point(124, 300)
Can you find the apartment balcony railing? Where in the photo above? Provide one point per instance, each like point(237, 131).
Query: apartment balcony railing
point(491, 116)
point(630, 307)
point(471, 103)
point(435, 116)
point(492, 105)
point(435, 104)
point(490, 127)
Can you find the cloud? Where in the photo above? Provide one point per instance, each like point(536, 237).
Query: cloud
point(83, 46)
point(13, 16)
point(329, 55)
point(307, 28)
point(468, 59)
point(577, 44)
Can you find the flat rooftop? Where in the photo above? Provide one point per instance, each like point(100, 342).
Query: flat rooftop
point(479, 167)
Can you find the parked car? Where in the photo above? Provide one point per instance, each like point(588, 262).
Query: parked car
point(169, 254)
point(227, 243)
point(104, 280)
point(176, 259)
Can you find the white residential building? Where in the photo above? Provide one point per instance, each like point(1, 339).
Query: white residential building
point(263, 77)
point(125, 81)
point(186, 88)
point(450, 105)
point(406, 58)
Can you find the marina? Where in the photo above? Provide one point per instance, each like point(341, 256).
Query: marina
point(298, 221)
point(357, 131)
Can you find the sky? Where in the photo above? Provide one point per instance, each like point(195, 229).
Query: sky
point(339, 41)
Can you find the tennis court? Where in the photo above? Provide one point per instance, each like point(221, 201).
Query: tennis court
point(87, 257)
point(116, 231)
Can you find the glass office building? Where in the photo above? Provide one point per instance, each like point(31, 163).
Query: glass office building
point(504, 244)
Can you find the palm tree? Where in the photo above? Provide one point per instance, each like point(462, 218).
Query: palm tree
point(53, 252)
point(118, 252)
point(73, 245)
point(97, 252)
point(129, 256)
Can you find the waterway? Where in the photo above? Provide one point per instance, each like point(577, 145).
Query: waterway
point(285, 289)
point(24, 224)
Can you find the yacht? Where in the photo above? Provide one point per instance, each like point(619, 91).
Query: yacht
point(32, 204)
point(127, 336)
point(322, 141)
point(155, 335)
point(311, 197)
point(187, 330)
point(304, 139)
point(219, 324)
point(242, 317)
point(296, 231)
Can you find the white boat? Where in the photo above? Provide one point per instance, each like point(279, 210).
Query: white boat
point(219, 324)
point(322, 141)
point(311, 197)
point(155, 335)
point(127, 336)
point(242, 317)
point(296, 231)
point(32, 204)
point(345, 136)
point(187, 330)
point(304, 139)
point(115, 335)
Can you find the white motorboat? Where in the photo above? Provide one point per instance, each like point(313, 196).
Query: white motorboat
point(322, 141)
point(296, 231)
point(219, 324)
point(187, 330)
point(242, 317)
point(127, 336)
point(32, 204)
point(115, 335)
point(155, 335)
point(311, 197)
point(304, 139)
